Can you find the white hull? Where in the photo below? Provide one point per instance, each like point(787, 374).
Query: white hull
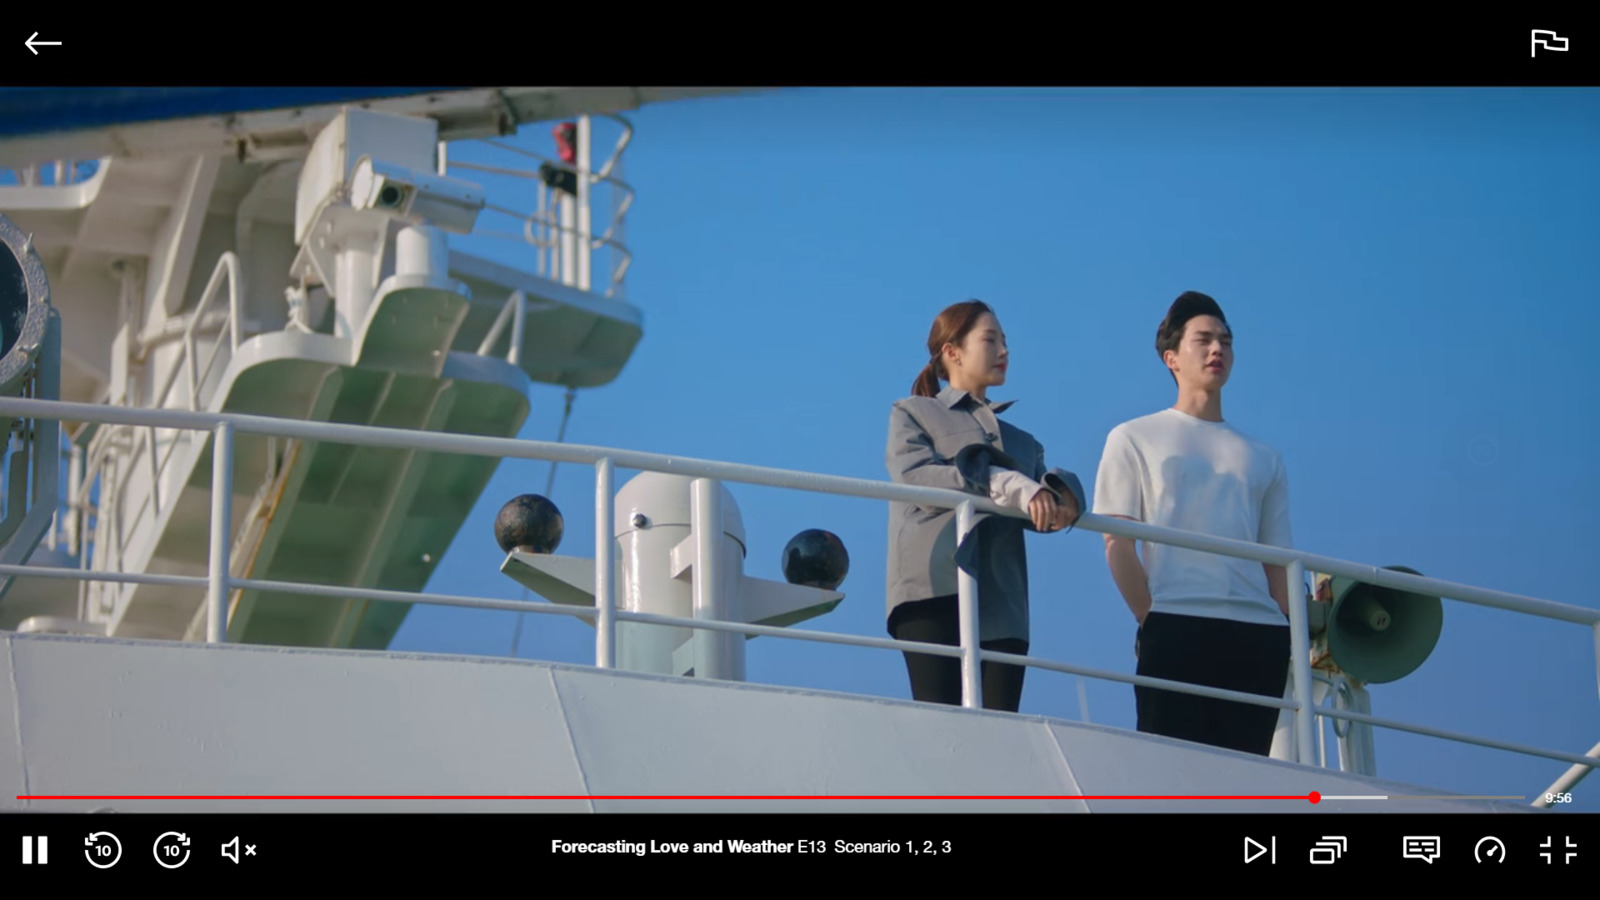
point(87, 716)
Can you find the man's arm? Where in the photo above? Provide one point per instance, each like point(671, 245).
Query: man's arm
point(1119, 493)
point(1128, 572)
point(1278, 585)
point(1275, 532)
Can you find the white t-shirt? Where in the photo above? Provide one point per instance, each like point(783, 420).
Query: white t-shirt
point(1177, 471)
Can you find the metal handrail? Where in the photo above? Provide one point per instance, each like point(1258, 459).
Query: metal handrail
point(229, 329)
point(546, 217)
point(605, 614)
point(227, 265)
point(513, 310)
point(1572, 776)
point(65, 170)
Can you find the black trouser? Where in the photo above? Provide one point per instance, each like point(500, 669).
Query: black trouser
point(1219, 653)
point(937, 679)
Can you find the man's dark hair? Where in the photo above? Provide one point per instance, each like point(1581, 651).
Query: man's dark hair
point(1188, 305)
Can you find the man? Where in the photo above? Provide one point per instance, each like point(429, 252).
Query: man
point(1203, 618)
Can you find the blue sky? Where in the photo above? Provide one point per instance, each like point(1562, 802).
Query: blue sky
point(1410, 274)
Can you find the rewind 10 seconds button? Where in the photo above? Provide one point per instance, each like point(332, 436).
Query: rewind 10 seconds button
point(102, 849)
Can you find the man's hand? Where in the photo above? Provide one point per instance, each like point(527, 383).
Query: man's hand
point(1129, 574)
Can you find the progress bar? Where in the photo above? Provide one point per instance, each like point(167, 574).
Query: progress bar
point(1313, 797)
point(1418, 797)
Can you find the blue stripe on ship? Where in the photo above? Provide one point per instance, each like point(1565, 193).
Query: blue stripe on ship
point(33, 111)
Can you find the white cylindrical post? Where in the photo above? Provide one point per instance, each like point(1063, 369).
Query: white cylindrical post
point(1322, 743)
point(605, 652)
point(1356, 752)
point(355, 289)
point(74, 511)
point(1300, 655)
point(536, 230)
point(967, 598)
point(713, 656)
point(585, 240)
point(1283, 737)
point(519, 318)
point(422, 250)
point(569, 240)
point(221, 522)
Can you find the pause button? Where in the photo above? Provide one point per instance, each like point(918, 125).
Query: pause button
point(35, 850)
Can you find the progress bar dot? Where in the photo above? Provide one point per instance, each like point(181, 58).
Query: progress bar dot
point(1316, 797)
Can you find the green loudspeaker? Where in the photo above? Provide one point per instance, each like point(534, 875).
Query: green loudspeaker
point(1378, 634)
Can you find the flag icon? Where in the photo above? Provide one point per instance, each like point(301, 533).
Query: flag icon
point(1549, 40)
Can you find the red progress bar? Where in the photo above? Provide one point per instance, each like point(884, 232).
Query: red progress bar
point(1313, 797)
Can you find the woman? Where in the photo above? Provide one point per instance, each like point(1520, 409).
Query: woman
point(951, 438)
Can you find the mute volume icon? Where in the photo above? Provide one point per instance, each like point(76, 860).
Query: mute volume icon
point(231, 850)
point(1327, 851)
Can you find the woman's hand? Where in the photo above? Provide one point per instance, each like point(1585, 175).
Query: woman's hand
point(1067, 511)
point(1044, 510)
point(1048, 515)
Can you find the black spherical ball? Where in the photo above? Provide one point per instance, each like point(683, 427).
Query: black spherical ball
point(816, 558)
point(530, 524)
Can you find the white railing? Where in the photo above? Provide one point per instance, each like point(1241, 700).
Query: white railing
point(515, 312)
point(113, 445)
point(65, 172)
point(543, 228)
point(606, 614)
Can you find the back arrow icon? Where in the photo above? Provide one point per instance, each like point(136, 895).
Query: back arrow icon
point(31, 44)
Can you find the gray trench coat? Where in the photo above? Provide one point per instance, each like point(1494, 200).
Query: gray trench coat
point(950, 441)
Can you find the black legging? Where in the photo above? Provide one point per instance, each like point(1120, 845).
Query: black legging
point(937, 679)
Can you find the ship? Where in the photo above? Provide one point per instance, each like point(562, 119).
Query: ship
point(254, 388)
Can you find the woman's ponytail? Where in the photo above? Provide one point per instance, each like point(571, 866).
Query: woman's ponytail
point(927, 383)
